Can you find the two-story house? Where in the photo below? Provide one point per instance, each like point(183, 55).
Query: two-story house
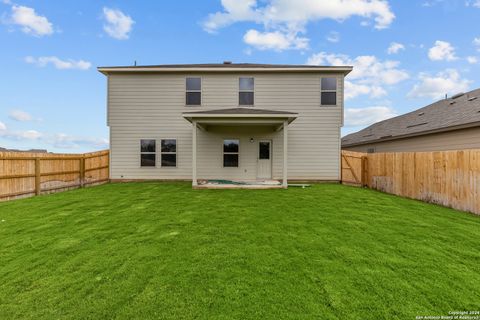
point(244, 122)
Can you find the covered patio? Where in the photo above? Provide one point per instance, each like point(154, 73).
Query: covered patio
point(245, 118)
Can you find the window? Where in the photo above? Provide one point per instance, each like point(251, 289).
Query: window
point(230, 153)
point(371, 150)
point(193, 91)
point(245, 95)
point(264, 150)
point(147, 153)
point(329, 92)
point(169, 153)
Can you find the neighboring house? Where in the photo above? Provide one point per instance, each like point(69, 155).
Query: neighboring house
point(449, 124)
point(225, 121)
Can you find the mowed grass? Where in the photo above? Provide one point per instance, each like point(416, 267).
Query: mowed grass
point(165, 251)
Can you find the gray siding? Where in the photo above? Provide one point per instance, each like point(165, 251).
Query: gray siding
point(151, 106)
point(453, 140)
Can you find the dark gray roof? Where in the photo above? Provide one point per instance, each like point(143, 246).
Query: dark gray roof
point(226, 65)
point(443, 115)
point(240, 111)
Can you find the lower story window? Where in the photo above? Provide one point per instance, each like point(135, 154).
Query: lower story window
point(230, 153)
point(169, 153)
point(147, 153)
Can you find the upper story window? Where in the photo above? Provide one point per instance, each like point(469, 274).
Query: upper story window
point(147, 153)
point(246, 91)
point(193, 91)
point(328, 92)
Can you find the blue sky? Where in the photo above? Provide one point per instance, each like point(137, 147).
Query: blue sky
point(406, 54)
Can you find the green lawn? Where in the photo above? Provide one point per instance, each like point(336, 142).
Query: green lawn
point(153, 250)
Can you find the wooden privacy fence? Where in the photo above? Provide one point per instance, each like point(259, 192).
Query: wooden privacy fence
point(448, 178)
point(25, 174)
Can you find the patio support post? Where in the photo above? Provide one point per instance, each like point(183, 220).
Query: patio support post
point(285, 153)
point(194, 153)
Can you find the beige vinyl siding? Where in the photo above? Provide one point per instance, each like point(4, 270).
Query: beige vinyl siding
point(453, 140)
point(151, 105)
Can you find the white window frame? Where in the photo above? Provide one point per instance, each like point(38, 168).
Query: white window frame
point(186, 91)
point(324, 91)
point(143, 152)
point(175, 153)
point(253, 91)
point(224, 153)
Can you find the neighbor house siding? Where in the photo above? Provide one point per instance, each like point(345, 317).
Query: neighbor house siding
point(146, 105)
point(453, 140)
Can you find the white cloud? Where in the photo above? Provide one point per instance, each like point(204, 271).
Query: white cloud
point(65, 141)
point(476, 42)
point(367, 69)
point(58, 63)
point(60, 140)
point(18, 135)
point(333, 37)
point(395, 47)
point(274, 40)
point(291, 17)
point(369, 76)
point(442, 50)
point(299, 12)
point(473, 3)
point(355, 117)
point(234, 11)
point(435, 87)
point(118, 25)
point(29, 21)
point(30, 134)
point(19, 115)
point(353, 90)
point(472, 60)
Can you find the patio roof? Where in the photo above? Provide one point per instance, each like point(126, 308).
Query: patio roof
point(240, 116)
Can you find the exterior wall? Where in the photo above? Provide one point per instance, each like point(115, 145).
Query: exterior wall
point(150, 106)
point(453, 140)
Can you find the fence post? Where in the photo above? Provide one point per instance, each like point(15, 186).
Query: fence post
point(341, 166)
point(82, 171)
point(364, 171)
point(37, 176)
